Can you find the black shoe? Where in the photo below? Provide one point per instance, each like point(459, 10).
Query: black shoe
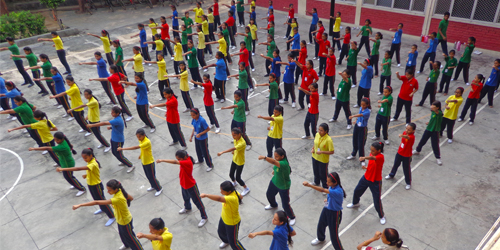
point(26, 83)
point(39, 92)
point(66, 73)
point(267, 75)
point(31, 85)
point(45, 93)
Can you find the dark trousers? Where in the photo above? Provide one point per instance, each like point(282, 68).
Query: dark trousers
point(311, 121)
point(406, 167)
point(434, 142)
point(374, 63)
point(298, 72)
point(375, 188)
point(195, 74)
point(445, 83)
point(362, 92)
point(250, 61)
point(175, 33)
point(444, 46)
point(211, 115)
point(62, 57)
point(123, 105)
point(447, 123)
point(176, 67)
point(320, 171)
point(184, 49)
point(382, 80)
point(119, 154)
point(429, 90)
point(301, 99)
point(271, 193)
point(167, 47)
point(176, 133)
point(229, 235)
point(244, 96)
point(4, 103)
point(241, 18)
point(231, 36)
point(490, 91)
point(51, 153)
point(121, 69)
point(236, 169)
point(359, 141)
point(211, 30)
point(111, 61)
point(216, 21)
point(288, 27)
point(382, 121)
point(97, 192)
point(145, 53)
point(249, 76)
point(162, 84)
point(193, 193)
point(97, 133)
point(311, 29)
point(187, 99)
point(208, 47)
point(329, 82)
point(289, 91)
point(270, 107)
point(399, 107)
point(253, 46)
point(322, 65)
point(427, 56)
point(70, 178)
point(472, 104)
point(344, 52)
point(347, 110)
point(336, 42)
point(411, 67)
point(35, 136)
point(107, 88)
point(128, 237)
point(52, 89)
point(220, 89)
point(63, 100)
point(80, 119)
point(352, 71)
point(330, 219)
point(154, 44)
point(36, 74)
point(200, 55)
point(143, 111)
point(273, 142)
point(202, 152)
point(316, 49)
point(242, 126)
point(20, 68)
point(365, 40)
point(268, 63)
point(227, 59)
point(396, 47)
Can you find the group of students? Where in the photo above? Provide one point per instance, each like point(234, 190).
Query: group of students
point(113, 82)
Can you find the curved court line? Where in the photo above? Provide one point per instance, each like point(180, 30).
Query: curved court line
point(20, 172)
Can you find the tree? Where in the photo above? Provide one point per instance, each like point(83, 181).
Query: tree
point(52, 4)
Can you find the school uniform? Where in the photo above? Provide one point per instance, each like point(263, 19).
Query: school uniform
point(253, 30)
point(275, 135)
point(238, 161)
point(148, 163)
point(447, 73)
point(189, 187)
point(280, 183)
point(386, 74)
point(450, 115)
point(412, 61)
point(346, 45)
point(4, 101)
point(102, 72)
point(45, 136)
point(246, 57)
point(404, 98)
point(280, 237)
point(173, 121)
point(94, 117)
point(404, 155)
point(224, 45)
point(119, 91)
point(25, 112)
point(206, 38)
point(360, 132)
point(291, 34)
point(118, 140)
point(302, 60)
point(33, 61)
point(119, 62)
point(243, 87)
point(273, 97)
point(144, 45)
point(365, 39)
point(221, 73)
point(331, 216)
point(330, 75)
point(209, 103)
point(342, 102)
point(61, 53)
point(396, 45)
point(320, 161)
point(166, 241)
point(11, 95)
point(193, 65)
point(490, 86)
point(323, 48)
point(308, 76)
point(270, 49)
point(14, 50)
point(430, 54)
point(383, 117)
point(184, 87)
point(163, 81)
point(472, 101)
point(375, 56)
point(231, 28)
point(317, 42)
point(139, 68)
point(365, 84)
point(239, 120)
point(175, 22)
point(230, 220)
point(312, 115)
point(240, 9)
point(158, 47)
point(201, 143)
point(177, 57)
point(432, 131)
point(76, 100)
point(336, 33)
point(106, 44)
point(352, 64)
point(124, 221)
point(59, 87)
point(443, 26)
point(153, 33)
point(63, 152)
point(430, 88)
point(313, 26)
point(95, 186)
point(288, 80)
point(142, 104)
point(46, 66)
point(165, 36)
point(464, 63)
point(372, 179)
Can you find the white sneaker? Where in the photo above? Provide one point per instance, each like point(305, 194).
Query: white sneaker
point(293, 104)
point(254, 68)
point(251, 90)
point(393, 119)
point(442, 66)
point(171, 58)
point(350, 157)
point(150, 189)
point(98, 212)
point(321, 94)
point(308, 43)
point(222, 101)
point(460, 120)
point(63, 116)
point(129, 118)
point(408, 187)
point(87, 134)
point(388, 177)
point(363, 164)
point(149, 64)
point(298, 109)
point(71, 118)
point(217, 130)
point(314, 58)
point(379, 93)
point(45, 152)
point(471, 123)
point(399, 65)
point(205, 70)
point(196, 162)
point(283, 101)
point(144, 126)
point(439, 162)
point(172, 143)
point(123, 247)
point(223, 245)
point(235, 184)
point(192, 88)
point(450, 141)
point(186, 110)
point(216, 100)
point(355, 106)
point(306, 137)
point(130, 169)
point(382, 220)
point(202, 222)
point(152, 130)
point(349, 127)
point(268, 207)
point(100, 146)
point(247, 112)
point(183, 211)
point(184, 148)
point(415, 152)
point(332, 120)
point(245, 191)
point(81, 130)
point(72, 187)
point(316, 242)
point(334, 98)
point(80, 193)
point(375, 138)
point(418, 72)
point(209, 169)
point(158, 192)
point(350, 205)
point(353, 86)
point(467, 84)
point(253, 54)
point(387, 142)
point(121, 164)
point(107, 149)
point(59, 106)
point(292, 222)
point(249, 147)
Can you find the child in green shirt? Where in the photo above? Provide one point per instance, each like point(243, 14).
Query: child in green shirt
point(432, 131)
point(464, 62)
point(431, 85)
point(386, 71)
point(451, 64)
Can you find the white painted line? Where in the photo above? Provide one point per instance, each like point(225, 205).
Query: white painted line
point(400, 180)
point(20, 171)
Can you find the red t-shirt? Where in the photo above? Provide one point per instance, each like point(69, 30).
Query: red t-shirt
point(476, 91)
point(271, 18)
point(308, 75)
point(164, 32)
point(244, 56)
point(374, 169)
point(302, 56)
point(323, 45)
point(216, 9)
point(347, 38)
point(320, 32)
point(291, 12)
point(406, 145)
point(230, 21)
point(172, 113)
point(407, 88)
point(314, 102)
point(207, 97)
point(331, 61)
point(186, 174)
point(117, 87)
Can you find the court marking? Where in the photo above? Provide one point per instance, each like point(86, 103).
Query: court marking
point(20, 172)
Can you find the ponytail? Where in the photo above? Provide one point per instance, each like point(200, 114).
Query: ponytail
point(40, 115)
point(392, 236)
point(107, 34)
point(11, 84)
point(23, 100)
point(60, 136)
point(283, 218)
point(114, 184)
point(378, 146)
point(90, 152)
point(44, 56)
point(89, 91)
point(119, 111)
point(228, 186)
point(367, 101)
point(282, 152)
point(183, 155)
point(335, 178)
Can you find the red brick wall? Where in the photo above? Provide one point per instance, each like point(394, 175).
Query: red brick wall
point(412, 24)
point(277, 4)
point(486, 37)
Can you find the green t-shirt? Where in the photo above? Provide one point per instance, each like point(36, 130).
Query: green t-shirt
point(376, 45)
point(184, 37)
point(239, 6)
point(270, 48)
point(243, 82)
point(352, 59)
point(386, 68)
point(433, 76)
point(281, 177)
point(32, 60)
point(248, 41)
point(443, 25)
point(271, 31)
point(188, 21)
point(273, 87)
point(25, 111)
point(467, 54)
point(239, 112)
point(15, 51)
point(225, 33)
point(192, 61)
point(343, 90)
point(449, 63)
point(63, 151)
point(385, 108)
point(435, 122)
point(46, 66)
point(119, 52)
point(365, 30)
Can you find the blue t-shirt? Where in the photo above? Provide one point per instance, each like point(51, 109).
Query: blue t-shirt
point(432, 45)
point(253, 16)
point(11, 94)
point(412, 59)
point(117, 126)
point(276, 67)
point(366, 78)
point(233, 9)
point(142, 95)
point(220, 70)
point(268, 9)
point(175, 22)
point(199, 126)
point(315, 19)
point(296, 41)
point(362, 121)
point(3, 90)
point(59, 83)
point(142, 36)
point(397, 36)
point(288, 77)
point(493, 79)
point(280, 238)
point(102, 72)
point(335, 198)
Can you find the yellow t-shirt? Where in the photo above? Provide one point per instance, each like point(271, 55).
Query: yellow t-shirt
point(222, 46)
point(138, 63)
point(152, 25)
point(201, 40)
point(93, 173)
point(230, 214)
point(198, 12)
point(162, 70)
point(184, 86)
point(210, 18)
point(276, 127)
point(159, 45)
point(146, 152)
point(239, 153)
point(106, 44)
point(43, 130)
point(453, 111)
point(292, 25)
point(324, 143)
point(252, 4)
point(165, 243)
point(204, 27)
point(178, 52)
point(122, 214)
point(336, 26)
point(94, 115)
point(58, 42)
point(76, 99)
point(253, 29)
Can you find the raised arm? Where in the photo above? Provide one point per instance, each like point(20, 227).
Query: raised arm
point(176, 162)
point(270, 160)
point(317, 188)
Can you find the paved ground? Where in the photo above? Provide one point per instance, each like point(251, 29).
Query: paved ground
point(449, 207)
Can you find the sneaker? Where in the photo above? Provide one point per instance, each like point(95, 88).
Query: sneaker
point(72, 187)
point(81, 130)
point(222, 100)
point(100, 146)
point(247, 112)
point(253, 54)
point(209, 169)
point(202, 222)
point(184, 148)
point(235, 184)
point(205, 70)
point(45, 152)
point(149, 64)
point(87, 134)
point(332, 120)
point(349, 127)
point(388, 177)
point(353, 86)
point(129, 118)
point(321, 94)
point(109, 103)
point(306, 137)
point(107, 149)
point(110, 222)
point(253, 68)
point(158, 192)
point(375, 138)
point(268, 207)
point(387, 142)
point(382, 220)
point(471, 123)
point(216, 100)
point(223, 245)
point(350, 157)
point(450, 141)
point(415, 152)
point(150, 189)
point(308, 43)
point(98, 212)
point(467, 84)
point(350, 205)
point(152, 130)
point(316, 242)
point(292, 222)
point(171, 58)
point(173, 143)
point(121, 164)
point(71, 118)
point(393, 119)
point(249, 147)
point(293, 104)
point(197, 162)
point(283, 102)
point(355, 106)
point(186, 110)
point(334, 98)
point(184, 210)
point(217, 130)
point(80, 193)
point(408, 187)
point(123, 247)
point(314, 58)
point(192, 88)
point(59, 106)
point(418, 72)
point(245, 191)
point(251, 90)
point(439, 162)
point(300, 109)
point(363, 164)
point(379, 93)
point(399, 65)
point(130, 169)
point(460, 120)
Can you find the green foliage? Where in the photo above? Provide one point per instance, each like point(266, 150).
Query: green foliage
point(52, 4)
point(21, 24)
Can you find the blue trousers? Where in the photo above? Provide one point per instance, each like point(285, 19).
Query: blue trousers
point(330, 219)
point(229, 234)
point(194, 194)
point(128, 237)
point(375, 188)
point(271, 193)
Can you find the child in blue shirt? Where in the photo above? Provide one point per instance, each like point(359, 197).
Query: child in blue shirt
point(142, 103)
point(144, 46)
point(288, 78)
point(491, 84)
point(396, 42)
point(366, 81)
point(430, 54)
point(411, 62)
point(282, 233)
point(360, 130)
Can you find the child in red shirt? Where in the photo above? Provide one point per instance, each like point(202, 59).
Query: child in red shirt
point(313, 112)
point(345, 46)
point(404, 154)
point(301, 55)
point(331, 61)
point(208, 101)
point(405, 97)
point(472, 99)
point(319, 34)
point(324, 44)
point(309, 76)
point(173, 119)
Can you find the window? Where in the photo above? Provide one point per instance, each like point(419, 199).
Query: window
point(462, 8)
point(480, 10)
point(485, 10)
point(369, 2)
point(385, 3)
point(442, 6)
point(402, 4)
point(418, 5)
point(410, 5)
